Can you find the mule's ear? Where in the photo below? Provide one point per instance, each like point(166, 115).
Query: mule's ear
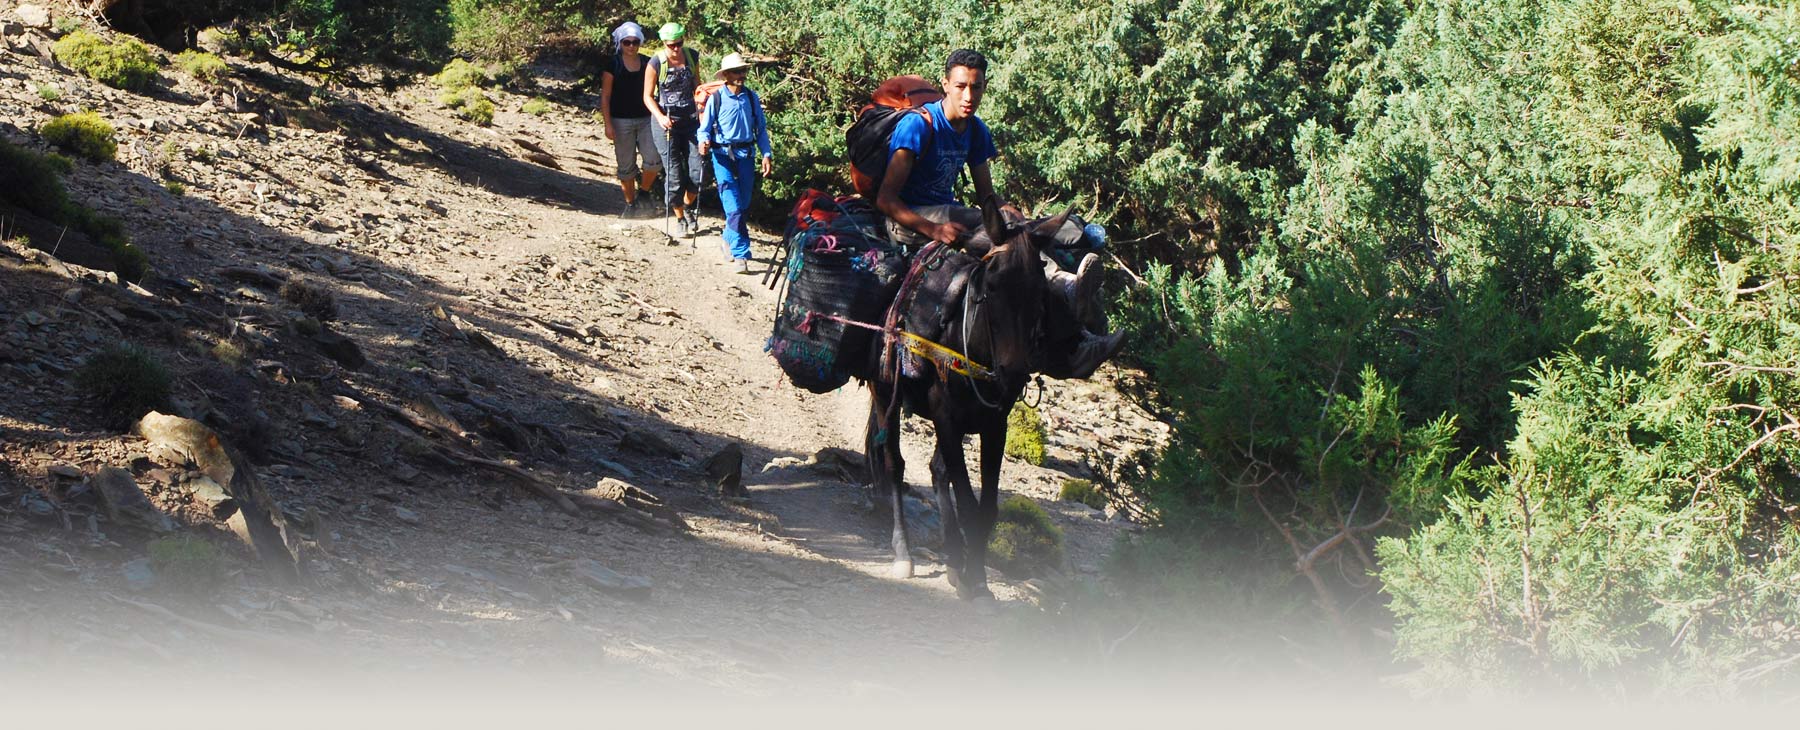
point(1043, 235)
point(993, 219)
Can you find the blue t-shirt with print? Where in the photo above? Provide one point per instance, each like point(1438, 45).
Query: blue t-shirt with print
point(934, 170)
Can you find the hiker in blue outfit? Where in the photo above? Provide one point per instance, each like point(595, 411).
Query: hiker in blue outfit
point(918, 196)
point(735, 133)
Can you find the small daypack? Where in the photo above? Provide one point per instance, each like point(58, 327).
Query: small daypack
point(867, 140)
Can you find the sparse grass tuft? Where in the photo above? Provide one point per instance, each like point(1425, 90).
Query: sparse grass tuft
point(189, 566)
point(48, 92)
point(1083, 491)
point(308, 327)
point(230, 353)
point(83, 133)
point(536, 107)
point(175, 187)
point(204, 67)
point(470, 104)
point(125, 63)
point(125, 382)
point(65, 25)
point(1025, 542)
point(1025, 435)
point(310, 299)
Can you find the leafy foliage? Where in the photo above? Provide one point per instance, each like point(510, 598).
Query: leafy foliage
point(124, 62)
point(1026, 542)
point(333, 33)
point(1640, 524)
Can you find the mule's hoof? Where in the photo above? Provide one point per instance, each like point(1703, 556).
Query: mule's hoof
point(969, 592)
point(902, 569)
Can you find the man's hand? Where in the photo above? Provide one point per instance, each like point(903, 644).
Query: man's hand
point(768, 165)
point(609, 131)
point(947, 233)
point(663, 119)
point(704, 148)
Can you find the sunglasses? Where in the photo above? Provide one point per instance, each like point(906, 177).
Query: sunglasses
point(673, 44)
point(630, 42)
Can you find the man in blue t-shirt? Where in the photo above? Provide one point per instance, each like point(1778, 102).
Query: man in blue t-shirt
point(918, 196)
point(918, 193)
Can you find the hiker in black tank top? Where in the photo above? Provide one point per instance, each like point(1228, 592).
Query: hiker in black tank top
point(669, 96)
point(628, 123)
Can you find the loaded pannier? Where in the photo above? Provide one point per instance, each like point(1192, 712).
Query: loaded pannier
point(838, 268)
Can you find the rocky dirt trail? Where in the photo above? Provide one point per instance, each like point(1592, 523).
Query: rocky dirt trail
point(491, 305)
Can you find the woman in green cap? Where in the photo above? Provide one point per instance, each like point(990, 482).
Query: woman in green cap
point(669, 93)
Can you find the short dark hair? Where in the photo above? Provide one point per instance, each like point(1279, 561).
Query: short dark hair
point(965, 57)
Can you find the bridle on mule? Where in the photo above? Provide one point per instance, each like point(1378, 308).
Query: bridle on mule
point(976, 294)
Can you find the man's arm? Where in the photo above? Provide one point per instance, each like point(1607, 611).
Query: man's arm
point(889, 202)
point(984, 189)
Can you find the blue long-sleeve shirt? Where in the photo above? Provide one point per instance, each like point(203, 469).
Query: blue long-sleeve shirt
point(738, 118)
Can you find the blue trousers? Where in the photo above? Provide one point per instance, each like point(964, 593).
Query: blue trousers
point(735, 169)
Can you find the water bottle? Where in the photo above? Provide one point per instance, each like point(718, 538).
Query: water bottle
point(1094, 235)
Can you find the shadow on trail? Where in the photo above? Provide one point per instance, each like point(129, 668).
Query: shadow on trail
point(281, 393)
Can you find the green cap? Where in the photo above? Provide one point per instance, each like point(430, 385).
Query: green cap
point(671, 32)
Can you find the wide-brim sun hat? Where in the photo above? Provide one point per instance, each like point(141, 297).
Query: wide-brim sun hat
point(731, 62)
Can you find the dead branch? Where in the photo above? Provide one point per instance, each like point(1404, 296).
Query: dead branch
point(540, 487)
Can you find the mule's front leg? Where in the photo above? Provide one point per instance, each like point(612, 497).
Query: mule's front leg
point(980, 523)
point(887, 470)
point(959, 521)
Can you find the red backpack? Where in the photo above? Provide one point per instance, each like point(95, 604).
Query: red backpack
point(867, 140)
point(703, 93)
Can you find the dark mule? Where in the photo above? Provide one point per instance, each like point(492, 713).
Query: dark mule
point(990, 309)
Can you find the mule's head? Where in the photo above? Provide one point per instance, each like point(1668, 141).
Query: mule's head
point(1012, 292)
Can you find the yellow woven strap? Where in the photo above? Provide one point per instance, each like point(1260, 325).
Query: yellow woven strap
point(947, 360)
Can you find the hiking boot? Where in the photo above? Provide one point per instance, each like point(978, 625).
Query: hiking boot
point(681, 225)
point(693, 218)
point(1094, 351)
point(1085, 294)
point(631, 209)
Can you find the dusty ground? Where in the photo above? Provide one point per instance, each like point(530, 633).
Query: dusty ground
point(436, 238)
